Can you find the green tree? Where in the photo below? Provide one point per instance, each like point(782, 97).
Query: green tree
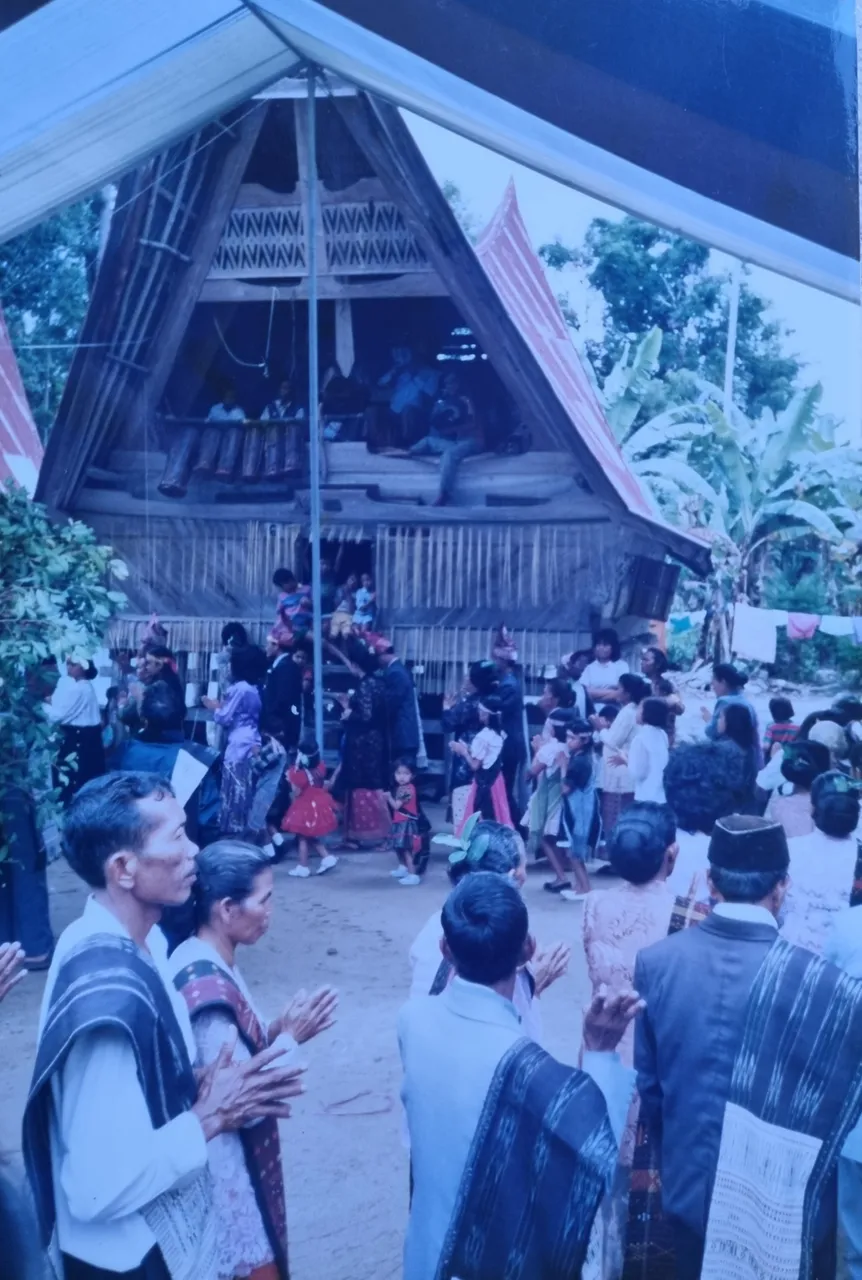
point(55, 601)
point(650, 277)
point(468, 220)
point(46, 277)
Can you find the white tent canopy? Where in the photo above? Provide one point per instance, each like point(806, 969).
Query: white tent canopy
point(90, 87)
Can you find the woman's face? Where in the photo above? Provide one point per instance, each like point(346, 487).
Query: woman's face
point(719, 688)
point(649, 664)
point(548, 702)
point(246, 922)
point(75, 670)
point(623, 696)
point(603, 651)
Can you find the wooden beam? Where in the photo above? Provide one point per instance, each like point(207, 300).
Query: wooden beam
point(253, 195)
point(424, 284)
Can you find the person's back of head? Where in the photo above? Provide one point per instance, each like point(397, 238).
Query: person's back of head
point(835, 805)
point(803, 762)
point(308, 754)
point(491, 847)
point(749, 861)
point(642, 844)
point(702, 782)
point(248, 663)
point(609, 712)
point(781, 710)
point(656, 713)
point(234, 635)
point(285, 580)
point(561, 692)
point(729, 675)
point(161, 711)
point(105, 818)
point(486, 929)
point(635, 687)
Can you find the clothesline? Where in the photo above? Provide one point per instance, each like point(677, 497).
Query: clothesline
point(755, 631)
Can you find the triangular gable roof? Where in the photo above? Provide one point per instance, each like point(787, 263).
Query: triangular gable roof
point(545, 377)
point(20, 446)
point(515, 271)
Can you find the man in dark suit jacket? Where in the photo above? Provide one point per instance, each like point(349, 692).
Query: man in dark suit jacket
point(281, 714)
point(696, 984)
point(401, 712)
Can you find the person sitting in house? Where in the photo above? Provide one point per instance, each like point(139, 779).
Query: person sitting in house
point(452, 435)
point(293, 609)
point(227, 409)
point(285, 407)
point(412, 386)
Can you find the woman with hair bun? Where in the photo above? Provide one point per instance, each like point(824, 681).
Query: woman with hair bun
point(233, 907)
point(823, 864)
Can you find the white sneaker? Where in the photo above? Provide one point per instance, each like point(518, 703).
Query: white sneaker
point(409, 880)
point(301, 873)
point(269, 850)
point(327, 863)
point(569, 895)
point(399, 873)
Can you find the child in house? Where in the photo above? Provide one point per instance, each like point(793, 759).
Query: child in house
point(406, 835)
point(781, 730)
point(341, 623)
point(366, 604)
point(312, 813)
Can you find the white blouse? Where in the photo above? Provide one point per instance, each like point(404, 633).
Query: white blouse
point(74, 702)
point(648, 757)
point(821, 881)
point(486, 747)
point(604, 675)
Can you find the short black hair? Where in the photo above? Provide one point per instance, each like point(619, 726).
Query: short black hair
point(158, 651)
point(702, 782)
point(561, 690)
point(639, 841)
point(835, 805)
point(309, 748)
point(610, 711)
point(226, 869)
point(161, 708)
point(636, 687)
point(655, 712)
point(804, 761)
point(608, 636)
point(485, 924)
point(484, 676)
point(357, 652)
point(745, 886)
point(104, 818)
point(248, 663)
point(781, 710)
point(494, 707)
point(502, 855)
point(234, 633)
point(728, 674)
point(284, 578)
point(404, 763)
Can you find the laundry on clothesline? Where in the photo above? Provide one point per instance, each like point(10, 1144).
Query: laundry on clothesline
point(802, 626)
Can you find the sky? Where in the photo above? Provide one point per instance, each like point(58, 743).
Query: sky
point(826, 330)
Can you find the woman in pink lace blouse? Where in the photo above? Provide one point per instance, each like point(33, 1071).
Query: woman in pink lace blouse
point(617, 924)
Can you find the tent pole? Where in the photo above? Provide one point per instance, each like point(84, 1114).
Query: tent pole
point(311, 219)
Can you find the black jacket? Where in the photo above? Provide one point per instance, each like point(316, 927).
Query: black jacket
point(401, 714)
point(280, 713)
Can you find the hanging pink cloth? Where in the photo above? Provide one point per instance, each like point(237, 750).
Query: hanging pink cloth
point(801, 626)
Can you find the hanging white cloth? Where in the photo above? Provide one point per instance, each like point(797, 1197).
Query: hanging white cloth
point(754, 633)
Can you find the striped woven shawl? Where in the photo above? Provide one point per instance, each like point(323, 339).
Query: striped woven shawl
point(796, 1093)
point(541, 1160)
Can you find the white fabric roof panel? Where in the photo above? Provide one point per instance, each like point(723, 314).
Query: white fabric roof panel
point(89, 88)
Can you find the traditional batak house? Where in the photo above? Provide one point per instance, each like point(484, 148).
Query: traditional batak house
point(201, 297)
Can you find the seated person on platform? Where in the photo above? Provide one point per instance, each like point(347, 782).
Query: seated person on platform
point(343, 401)
point(285, 407)
point(293, 610)
point(413, 386)
point(227, 409)
point(366, 603)
point(452, 435)
point(341, 622)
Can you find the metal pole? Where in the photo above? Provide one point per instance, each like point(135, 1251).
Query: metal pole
point(732, 322)
point(314, 401)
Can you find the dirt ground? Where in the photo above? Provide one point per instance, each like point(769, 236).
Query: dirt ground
point(345, 1166)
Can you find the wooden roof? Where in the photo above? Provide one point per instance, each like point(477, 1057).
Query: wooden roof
point(171, 214)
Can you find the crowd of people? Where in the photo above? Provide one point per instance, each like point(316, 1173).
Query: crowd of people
point(713, 1125)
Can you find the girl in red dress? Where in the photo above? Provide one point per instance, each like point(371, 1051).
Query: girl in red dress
point(312, 813)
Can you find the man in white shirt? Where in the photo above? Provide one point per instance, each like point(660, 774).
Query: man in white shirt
point(482, 1103)
point(117, 1124)
point(722, 1082)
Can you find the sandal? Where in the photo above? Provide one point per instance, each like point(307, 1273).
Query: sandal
point(556, 886)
